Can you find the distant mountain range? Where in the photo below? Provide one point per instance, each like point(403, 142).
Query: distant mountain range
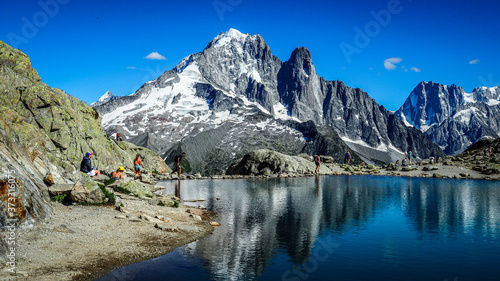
point(236, 96)
point(452, 118)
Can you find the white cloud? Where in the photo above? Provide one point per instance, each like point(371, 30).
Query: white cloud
point(476, 61)
point(131, 67)
point(155, 56)
point(390, 63)
point(415, 69)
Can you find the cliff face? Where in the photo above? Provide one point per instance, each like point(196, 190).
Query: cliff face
point(44, 130)
point(450, 117)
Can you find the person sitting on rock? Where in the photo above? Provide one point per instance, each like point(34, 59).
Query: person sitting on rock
point(118, 137)
point(118, 174)
point(397, 163)
point(86, 165)
point(317, 161)
point(177, 161)
point(431, 159)
point(405, 162)
point(138, 165)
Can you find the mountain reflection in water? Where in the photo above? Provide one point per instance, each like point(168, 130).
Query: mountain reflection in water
point(366, 228)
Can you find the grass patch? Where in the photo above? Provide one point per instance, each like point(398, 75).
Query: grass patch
point(121, 190)
point(109, 181)
point(107, 194)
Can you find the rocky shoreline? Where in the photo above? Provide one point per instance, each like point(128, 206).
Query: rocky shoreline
point(86, 242)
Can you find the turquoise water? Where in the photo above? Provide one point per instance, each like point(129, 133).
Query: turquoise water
point(337, 228)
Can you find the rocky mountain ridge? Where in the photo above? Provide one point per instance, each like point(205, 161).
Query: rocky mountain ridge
point(225, 99)
point(450, 117)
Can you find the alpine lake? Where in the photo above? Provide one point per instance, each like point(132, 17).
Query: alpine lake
point(336, 228)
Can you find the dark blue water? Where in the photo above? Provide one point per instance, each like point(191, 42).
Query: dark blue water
point(338, 228)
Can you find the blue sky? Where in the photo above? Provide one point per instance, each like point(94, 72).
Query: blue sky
point(89, 47)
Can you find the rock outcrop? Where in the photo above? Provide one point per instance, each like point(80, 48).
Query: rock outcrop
point(267, 162)
point(45, 131)
point(478, 158)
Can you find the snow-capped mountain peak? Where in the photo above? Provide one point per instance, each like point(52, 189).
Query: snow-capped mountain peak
point(451, 117)
point(103, 99)
point(229, 36)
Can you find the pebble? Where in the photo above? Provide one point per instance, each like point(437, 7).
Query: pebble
point(196, 217)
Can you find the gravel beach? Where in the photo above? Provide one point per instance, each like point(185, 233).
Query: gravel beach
point(86, 242)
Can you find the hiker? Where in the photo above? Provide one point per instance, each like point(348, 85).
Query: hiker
point(118, 174)
point(118, 137)
point(347, 158)
point(138, 165)
point(397, 163)
point(177, 161)
point(431, 159)
point(405, 162)
point(363, 164)
point(410, 155)
point(86, 165)
point(490, 150)
point(317, 161)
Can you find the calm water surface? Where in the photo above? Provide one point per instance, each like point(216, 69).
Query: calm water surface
point(337, 228)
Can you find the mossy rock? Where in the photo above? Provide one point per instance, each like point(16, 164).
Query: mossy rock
point(136, 188)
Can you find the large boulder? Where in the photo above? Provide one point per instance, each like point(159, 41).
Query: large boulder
point(131, 186)
point(264, 161)
point(60, 189)
point(87, 191)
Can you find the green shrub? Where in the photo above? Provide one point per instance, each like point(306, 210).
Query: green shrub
point(109, 181)
point(121, 190)
point(59, 198)
point(107, 194)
